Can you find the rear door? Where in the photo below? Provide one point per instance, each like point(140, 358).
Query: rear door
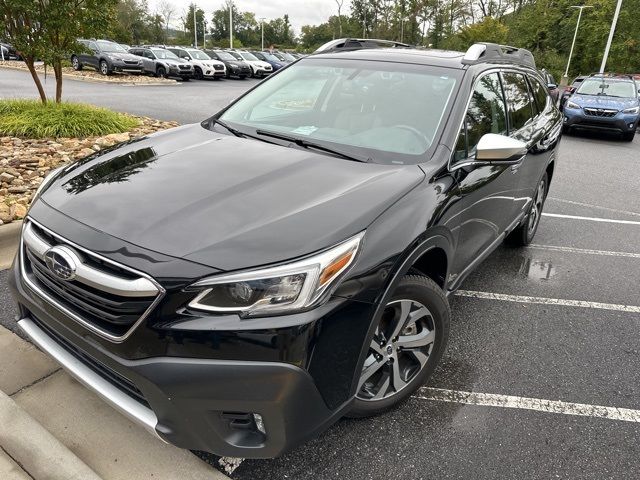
point(522, 110)
point(92, 58)
point(487, 191)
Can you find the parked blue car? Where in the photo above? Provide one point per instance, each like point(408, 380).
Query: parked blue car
point(604, 102)
point(272, 60)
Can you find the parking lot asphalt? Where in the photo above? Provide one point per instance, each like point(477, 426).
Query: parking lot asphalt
point(546, 337)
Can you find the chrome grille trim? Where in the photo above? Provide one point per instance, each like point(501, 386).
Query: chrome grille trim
point(140, 287)
point(99, 331)
point(600, 112)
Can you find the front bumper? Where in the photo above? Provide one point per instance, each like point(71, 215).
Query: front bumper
point(621, 122)
point(203, 405)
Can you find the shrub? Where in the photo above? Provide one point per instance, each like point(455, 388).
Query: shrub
point(33, 119)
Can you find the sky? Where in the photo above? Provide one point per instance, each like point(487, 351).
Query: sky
point(301, 12)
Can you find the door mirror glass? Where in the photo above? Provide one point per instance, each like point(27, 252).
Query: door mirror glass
point(499, 148)
point(552, 86)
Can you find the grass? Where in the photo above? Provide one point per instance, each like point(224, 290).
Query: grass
point(32, 119)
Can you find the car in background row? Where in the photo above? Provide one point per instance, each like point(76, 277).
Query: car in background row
point(163, 63)
point(203, 65)
point(106, 57)
point(259, 68)
point(284, 57)
point(9, 52)
point(235, 67)
point(604, 102)
point(570, 90)
point(275, 63)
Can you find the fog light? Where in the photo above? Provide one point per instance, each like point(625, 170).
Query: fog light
point(259, 423)
point(631, 125)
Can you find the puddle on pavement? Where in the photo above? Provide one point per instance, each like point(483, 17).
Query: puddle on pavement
point(536, 269)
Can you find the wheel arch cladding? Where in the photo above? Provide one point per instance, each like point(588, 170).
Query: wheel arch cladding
point(549, 171)
point(433, 264)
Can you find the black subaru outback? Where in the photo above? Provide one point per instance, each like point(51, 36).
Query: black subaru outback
point(238, 285)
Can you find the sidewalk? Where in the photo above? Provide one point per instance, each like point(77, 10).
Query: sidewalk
point(51, 427)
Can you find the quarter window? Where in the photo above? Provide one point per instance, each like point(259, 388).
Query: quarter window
point(519, 100)
point(486, 114)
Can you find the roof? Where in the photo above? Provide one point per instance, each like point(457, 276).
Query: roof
point(445, 58)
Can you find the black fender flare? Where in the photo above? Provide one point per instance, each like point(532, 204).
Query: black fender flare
point(428, 241)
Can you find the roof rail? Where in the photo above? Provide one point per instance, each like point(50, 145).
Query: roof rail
point(345, 44)
point(493, 52)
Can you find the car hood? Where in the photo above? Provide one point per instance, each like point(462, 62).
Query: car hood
point(603, 101)
point(173, 61)
point(224, 201)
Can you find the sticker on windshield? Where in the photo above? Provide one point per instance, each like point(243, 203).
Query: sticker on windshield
point(305, 130)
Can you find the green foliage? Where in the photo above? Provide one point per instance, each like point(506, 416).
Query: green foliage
point(32, 119)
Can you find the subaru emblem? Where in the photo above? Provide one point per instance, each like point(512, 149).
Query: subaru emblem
point(62, 262)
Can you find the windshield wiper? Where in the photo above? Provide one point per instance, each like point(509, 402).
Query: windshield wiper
point(307, 144)
point(235, 132)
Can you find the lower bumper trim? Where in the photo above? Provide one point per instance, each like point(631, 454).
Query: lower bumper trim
point(112, 395)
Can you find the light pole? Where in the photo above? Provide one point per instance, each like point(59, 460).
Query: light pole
point(262, 31)
point(195, 30)
point(611, 32)
point(230, 24)
point(204, 33)
point(402, 29)
point(575, 35)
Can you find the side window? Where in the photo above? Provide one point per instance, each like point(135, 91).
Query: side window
point(486, 114)
point(540, 93)
point(520, 103)
point(94, 46)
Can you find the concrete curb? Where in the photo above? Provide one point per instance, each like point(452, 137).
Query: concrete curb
point(38, 452)
point(97, 80)
point(9, 237)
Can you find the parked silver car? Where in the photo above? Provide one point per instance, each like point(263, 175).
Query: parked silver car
point(163, 63)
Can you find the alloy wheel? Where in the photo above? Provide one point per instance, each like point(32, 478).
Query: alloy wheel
point(75, 64)
point(399, 350)
point(536, 208)
point(104, 68)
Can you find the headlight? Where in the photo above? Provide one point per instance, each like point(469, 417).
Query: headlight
point(571, 104)
point(632, 110)
point(279, 289)
point(46, 182)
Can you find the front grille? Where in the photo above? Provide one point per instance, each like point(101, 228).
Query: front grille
point(218, 67)
point(131, 62)
point(600, 112)
point(97, 305)
point(113, 377)
point(184, 67)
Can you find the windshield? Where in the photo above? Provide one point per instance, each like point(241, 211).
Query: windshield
point(248, 56)
point(198, 55)
point(225, 56)
point(110, 47)
point(288, 56)
point(271, 58)
point(389, 112)
point(610, 88)
point(279, 56)
point(162, 53)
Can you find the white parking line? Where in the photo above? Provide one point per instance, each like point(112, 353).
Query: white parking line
point(557, 248)
point(591, 219)
point(590, 205)
point(548, 301)
point(525, 403)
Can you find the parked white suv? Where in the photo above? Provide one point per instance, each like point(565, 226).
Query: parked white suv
point(203, 65)
point(258, 67)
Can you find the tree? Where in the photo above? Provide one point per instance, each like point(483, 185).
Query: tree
point(64, 21)
point(166, 10)
point(188, 22)
point(23, 29)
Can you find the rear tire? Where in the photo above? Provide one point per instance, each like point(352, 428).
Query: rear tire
point(628, 136)
point(523, 234)
point(406, 347)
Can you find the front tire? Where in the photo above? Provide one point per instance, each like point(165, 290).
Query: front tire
point(75, 63)
point(406, 346)
point(198, 74)
point(523, 234)
point(161, 72)
point(104, 68)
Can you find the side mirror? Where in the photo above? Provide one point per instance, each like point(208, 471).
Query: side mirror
point(500, 149)
point(552, 86)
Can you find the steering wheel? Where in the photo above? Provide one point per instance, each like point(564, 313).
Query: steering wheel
point(422, 137)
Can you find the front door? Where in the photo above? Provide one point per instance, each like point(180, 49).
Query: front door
point(487, 191)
